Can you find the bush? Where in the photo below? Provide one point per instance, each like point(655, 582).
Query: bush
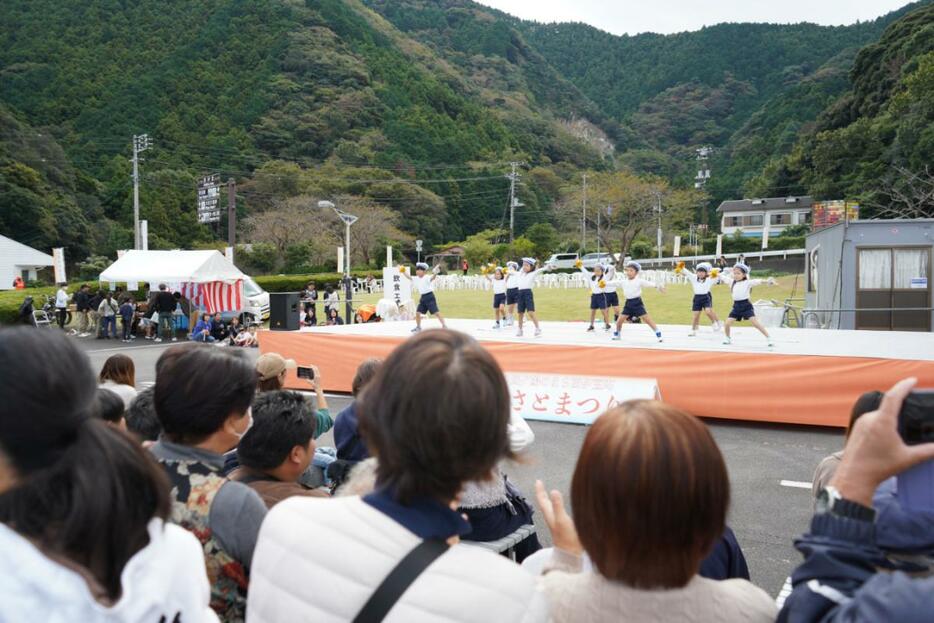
point(294, 283)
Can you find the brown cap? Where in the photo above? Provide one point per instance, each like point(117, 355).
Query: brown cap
point(271, 365)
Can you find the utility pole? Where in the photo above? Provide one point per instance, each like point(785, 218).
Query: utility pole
point(231, 212)
point(140, 144)
point(584, 218)
point(513, 201)
point(658, 209)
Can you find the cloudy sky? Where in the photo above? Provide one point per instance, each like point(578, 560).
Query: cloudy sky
point(667, 16)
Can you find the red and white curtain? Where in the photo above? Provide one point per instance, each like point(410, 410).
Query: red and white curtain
point(214, 296)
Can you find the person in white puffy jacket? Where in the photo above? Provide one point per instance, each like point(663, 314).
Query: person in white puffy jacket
point(437, 416)
point(83, 508)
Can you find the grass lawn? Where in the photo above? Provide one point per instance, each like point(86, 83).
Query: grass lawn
point(672, 307)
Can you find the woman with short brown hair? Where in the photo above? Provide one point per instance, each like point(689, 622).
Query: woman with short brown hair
point(119, 376)
point(650, 494)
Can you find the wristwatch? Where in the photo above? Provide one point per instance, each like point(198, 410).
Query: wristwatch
point(829, 500)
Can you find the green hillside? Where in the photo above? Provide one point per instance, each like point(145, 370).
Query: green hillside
point(417, 107)
point(880, 133)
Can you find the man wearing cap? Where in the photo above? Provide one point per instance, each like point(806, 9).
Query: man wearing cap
point(271, 369)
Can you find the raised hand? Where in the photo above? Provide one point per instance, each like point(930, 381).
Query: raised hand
point(560, 524)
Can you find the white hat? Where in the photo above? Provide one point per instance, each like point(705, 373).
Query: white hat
point(531, 261)
point(704, 266)
point(742, 267)
point(511, 264)
point(421, 266)
point(634, 264)
point(602, 267)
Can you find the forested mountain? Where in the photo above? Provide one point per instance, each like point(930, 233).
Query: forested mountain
point(876, 142)
point(419, 106)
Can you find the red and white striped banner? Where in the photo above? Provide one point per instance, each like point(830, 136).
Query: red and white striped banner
point(214, 296)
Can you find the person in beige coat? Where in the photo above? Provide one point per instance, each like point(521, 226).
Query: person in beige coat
point(650, 495)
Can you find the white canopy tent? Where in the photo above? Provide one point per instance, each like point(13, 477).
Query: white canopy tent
point(172, 267)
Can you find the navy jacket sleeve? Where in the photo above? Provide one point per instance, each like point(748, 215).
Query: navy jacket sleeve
point(899, 529)
point(838, 580)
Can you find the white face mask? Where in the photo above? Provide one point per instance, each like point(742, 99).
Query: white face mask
point(249, 424)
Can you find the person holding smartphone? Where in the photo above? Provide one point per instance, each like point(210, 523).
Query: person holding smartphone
point(839, 578)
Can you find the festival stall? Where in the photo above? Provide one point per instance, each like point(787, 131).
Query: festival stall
point(206, 278)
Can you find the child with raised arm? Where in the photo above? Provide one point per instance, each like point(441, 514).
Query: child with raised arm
point(512, 291)
point(427, 303)
point(525, 280)
point(632, 285)
point(701, 281)
point(612, 297)
point(598, 284)
point(741, 287)
point(498, 279)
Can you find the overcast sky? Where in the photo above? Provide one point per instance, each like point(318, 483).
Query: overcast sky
point(667, 16)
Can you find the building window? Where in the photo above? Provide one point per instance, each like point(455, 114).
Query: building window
point(910, 264)
point(875, 269)
point(782, 218)
point(732, 221)
point(753, 220)
point(804, 217)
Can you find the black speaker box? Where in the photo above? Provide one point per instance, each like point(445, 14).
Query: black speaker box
point(284, 309)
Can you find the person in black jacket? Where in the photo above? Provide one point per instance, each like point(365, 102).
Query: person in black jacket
point(93, 303)
point(165, 307)
point(218, 329)
point(83, 307)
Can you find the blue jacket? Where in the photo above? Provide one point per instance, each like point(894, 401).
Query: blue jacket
point(726, 560)
point(838, 580)
point(201, 327)
point(350, 446)
point(897, 529)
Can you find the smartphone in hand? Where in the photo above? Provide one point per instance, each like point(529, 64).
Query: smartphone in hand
point(916, 426)
point(305, 372)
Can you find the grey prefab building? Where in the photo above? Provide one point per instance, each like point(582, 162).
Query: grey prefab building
point(879, 265)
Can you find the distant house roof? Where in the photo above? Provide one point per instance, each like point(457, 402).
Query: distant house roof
point(771, 203)
point(18, 254)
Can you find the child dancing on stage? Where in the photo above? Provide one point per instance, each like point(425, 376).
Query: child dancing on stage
point(740, 287)
point(612, 298)
point(427, 303)
point(512, 292)
point(525, 300)
point(701, 282)
point(597, 293)
point(498, 279)
point(632, 286)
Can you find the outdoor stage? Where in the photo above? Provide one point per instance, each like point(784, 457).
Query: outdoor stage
point(811, 376)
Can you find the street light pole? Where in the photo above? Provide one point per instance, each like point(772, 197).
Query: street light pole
point(348, 219)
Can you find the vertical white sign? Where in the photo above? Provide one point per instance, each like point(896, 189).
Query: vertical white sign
point(388, 256)
point(677, 247)
point(58, 263)
point(340, 260)
point(765, 237)
point(144, 235)
point(719, 245)
point(228, 253)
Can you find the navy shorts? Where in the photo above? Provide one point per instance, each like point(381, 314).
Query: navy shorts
point(702, 302)
point(499, 300)
point(598, 301)
point(612, 299)
point(525, 301)
point(428, 304)
point(742, 310)
point(634, 308)
point(512, 296)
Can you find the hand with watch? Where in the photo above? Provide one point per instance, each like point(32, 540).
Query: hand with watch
point(874, 452)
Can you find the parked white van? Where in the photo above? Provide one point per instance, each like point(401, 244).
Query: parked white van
point(563, 260)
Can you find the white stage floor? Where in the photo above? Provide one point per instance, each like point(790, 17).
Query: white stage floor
point(901, 345)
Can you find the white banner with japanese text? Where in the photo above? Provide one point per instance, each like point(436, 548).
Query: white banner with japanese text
point(574, 399)
point(396, 287)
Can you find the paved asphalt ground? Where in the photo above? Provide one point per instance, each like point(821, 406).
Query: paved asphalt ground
point(765, 514)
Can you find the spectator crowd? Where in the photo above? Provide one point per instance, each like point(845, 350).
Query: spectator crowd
point(208, 497)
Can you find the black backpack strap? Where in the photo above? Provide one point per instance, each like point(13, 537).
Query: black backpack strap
point(399, 579)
